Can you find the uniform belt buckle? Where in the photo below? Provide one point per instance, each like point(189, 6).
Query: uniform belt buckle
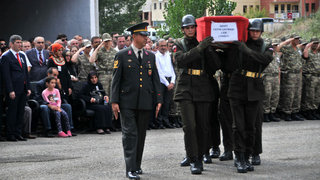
point(249, 74)
point(196, 72)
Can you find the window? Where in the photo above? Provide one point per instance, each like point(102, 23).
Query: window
point(244, 9)
point(146, 16)
point(257, 7)
point(165, 5)
point(307, 7)
point(276, 8)
point(289, 8)
point(251, 6)
point(313, 7)
point(295, 8)
point(160, 6)
point(282, 8)
point(155, 6)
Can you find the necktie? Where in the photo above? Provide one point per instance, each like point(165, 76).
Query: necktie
point(40, 59)
point(19, 60)
point(139, 56)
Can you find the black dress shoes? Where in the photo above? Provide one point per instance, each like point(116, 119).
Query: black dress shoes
point(215, 153)
point(48, 134)
point(227, 155)
point(11, 138)
point(20, 138)
point(133, 175)
point(255, 160)
point(207, 159)
point(139, 171)
point(29, 136)
point(195, 168)
point(185, 162)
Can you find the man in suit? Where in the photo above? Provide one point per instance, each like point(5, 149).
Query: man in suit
point(38, 57)
point(15, 76)
point(134, 91)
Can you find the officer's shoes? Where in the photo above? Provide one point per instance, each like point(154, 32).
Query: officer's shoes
point(227, 155)
point(273, 118)
point(240, 164)
point(195, 168)
point(132, 175)
point(249, 166)
point(255, 160)
point(207, 159)
point(295, 117)
point(215, 152)
point(185, 162)
point(266, 118)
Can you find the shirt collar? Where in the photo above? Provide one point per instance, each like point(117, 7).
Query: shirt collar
point(38, 50)
point(14, 52)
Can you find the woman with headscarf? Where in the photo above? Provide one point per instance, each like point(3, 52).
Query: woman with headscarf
point(94, 95)
point(57, 60)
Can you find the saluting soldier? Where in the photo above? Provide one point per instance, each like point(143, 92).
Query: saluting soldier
point(103, 57)
point(195, 91)
point(134, 92)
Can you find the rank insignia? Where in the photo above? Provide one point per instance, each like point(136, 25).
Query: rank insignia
point(129, 52)
point(150, 72)
point(115, 64)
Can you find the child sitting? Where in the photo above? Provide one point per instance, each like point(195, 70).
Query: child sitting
point(52, 96)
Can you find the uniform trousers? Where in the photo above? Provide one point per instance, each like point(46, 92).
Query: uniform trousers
point(310, 93)
point(196, 127)
point(226, 124)
point(257, 148)
point(215, 126)
point(272, 93)
point(244, 115)
point(15, 114)
point(134, 124)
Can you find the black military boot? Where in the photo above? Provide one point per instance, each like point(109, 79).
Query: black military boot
point(227, 155)
point(255, 159)
point(316, 114)
point(195, 166)
point(215, 152)
point(295, 117)
point(249, 166)
point(287, 117)
point(266, 117)
point(185, 162)
point(240, 163)
point(273, 118)
point(207, 159)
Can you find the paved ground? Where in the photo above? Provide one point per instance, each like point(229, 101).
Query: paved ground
point(291, 151)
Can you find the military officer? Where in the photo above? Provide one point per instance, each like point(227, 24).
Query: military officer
point(103, 56)
point(246, 92)
point(134, 92)
point(195, 91)
point(311, 81)
point(271, 81)
point(291, 78)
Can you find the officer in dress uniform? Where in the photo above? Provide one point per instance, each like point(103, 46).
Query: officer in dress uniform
point(135, 90)
point(195, 91)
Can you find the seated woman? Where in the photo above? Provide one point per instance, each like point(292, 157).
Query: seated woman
point(92, 92)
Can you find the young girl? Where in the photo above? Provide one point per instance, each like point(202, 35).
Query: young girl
point(52, 96)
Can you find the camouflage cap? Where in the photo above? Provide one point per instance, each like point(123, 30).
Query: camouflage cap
point(315, 40)
point(295, 36)
point(275, 42)
point(106, 37)
point(86, 43)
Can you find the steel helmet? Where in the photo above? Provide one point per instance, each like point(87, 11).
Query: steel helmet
point(188, 20)
point(256, 25)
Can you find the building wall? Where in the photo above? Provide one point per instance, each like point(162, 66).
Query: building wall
point(157, 9)
point(241, 4)
point(49, 18)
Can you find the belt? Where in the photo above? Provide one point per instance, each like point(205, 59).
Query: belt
point(250, 74)
point(195, 72)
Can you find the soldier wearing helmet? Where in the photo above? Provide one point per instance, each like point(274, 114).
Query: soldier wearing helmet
point(246, 93)
point(195, 91)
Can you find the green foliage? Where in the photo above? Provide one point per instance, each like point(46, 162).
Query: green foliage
point(307, 27)
point(256, 13)
point(177, 9)
point(221, 7)
point(117, 15)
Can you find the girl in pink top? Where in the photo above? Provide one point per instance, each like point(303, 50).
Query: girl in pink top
point(52, 96)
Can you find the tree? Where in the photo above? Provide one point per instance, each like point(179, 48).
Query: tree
point(178, 8)
point(256, 13)
point(117, 15)
point(221, 7)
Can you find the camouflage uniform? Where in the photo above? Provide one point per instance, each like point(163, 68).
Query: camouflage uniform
point(84, 67)
point(291, 79)
point(105, 67)
point(271, 83)
point(311, 82)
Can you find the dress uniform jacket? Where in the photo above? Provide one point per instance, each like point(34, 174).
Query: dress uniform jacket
point(135, 86)
point(190, 87)
point(247, 88)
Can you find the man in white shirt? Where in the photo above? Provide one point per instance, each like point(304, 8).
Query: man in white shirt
point(167, 79)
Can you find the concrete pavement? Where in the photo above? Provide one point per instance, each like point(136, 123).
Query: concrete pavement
point(291, 151)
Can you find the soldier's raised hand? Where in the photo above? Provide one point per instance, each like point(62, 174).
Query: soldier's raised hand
point(205, 43)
